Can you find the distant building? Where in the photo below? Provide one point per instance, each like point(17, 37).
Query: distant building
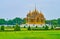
point(35, 17)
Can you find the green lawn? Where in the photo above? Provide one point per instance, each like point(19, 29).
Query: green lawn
point(49, 34)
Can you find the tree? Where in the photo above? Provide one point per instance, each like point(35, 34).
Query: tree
point(10, 22)
point(48, 22)
point(17, 27)
point(52, 27)
point(24, 21)
point(2, 28)
point(58, 21)
point(17, 20)
point(54, 22)
point(2, 21)
point(46, 27)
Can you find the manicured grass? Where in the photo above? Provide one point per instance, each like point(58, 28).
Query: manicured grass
point(42, 34)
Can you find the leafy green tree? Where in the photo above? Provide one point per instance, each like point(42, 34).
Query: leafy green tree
point(17, 27)
point(46, 27)
point(58, 21)
point(10, 22)
point(52, 27)
point(54, 22)
point(48, 22)
point(24, 21)
point(2, 28)
point(17, 20)
point(2, 21)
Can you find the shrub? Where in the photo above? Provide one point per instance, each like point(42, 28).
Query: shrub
point(57, 28)
point(2, 28)
point(36, 26)
point(29, 28)
point(52, 27)
point(17, 27)
point(43, 27)
point(46, 27)
point(13, 26)
point(24, 27)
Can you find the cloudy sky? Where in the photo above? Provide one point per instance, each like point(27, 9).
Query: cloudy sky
point(10, 9)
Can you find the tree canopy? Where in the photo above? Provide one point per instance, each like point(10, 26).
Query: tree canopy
point(12, 21)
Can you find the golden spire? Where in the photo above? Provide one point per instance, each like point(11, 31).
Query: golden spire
point(35, 7)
